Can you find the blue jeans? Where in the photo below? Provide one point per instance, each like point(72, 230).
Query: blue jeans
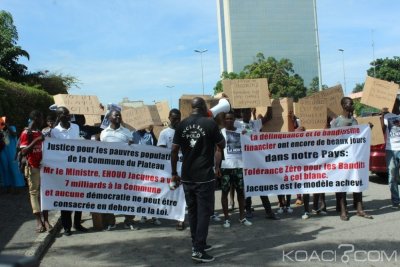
point(200, 202)
point(393, 164)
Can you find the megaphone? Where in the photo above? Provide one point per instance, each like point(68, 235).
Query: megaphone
point(222, 106)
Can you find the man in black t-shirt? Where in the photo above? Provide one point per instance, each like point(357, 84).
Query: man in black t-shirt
point(197, 136)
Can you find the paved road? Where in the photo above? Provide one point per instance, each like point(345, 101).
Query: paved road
point(288, 242)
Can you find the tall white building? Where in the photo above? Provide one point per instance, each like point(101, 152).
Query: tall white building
point(277, 28)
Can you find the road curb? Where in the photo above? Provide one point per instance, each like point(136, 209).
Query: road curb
point(43, 240)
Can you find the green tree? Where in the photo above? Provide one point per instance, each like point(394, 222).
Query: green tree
point(358, 88)
point(282, 81)
point(387, 69)
point(10, 52)
point(52, 83)
point(314, 86)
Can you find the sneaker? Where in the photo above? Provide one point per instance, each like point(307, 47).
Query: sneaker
point(280, 211)
point(67, 232)
point(110, 227)
point(143, 219)
point(395, 206)
point(289, 210)
point(323, 212)
point(206, 248)
point(245, 222)
point(272, 216)
point(232, 206)
point(156, 221)
point(131, 226)
point(215, 218)
point(202, 257)
point(305, 216)
point(227, 224)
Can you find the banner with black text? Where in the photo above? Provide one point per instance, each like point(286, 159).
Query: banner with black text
point(322, 161)
point(109, 178)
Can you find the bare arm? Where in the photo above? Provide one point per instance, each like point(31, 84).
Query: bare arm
point(28, 149)
point(267, 115)
point(174, 162)
point(218, 159)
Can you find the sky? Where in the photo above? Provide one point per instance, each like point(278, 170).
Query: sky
point(144, 50)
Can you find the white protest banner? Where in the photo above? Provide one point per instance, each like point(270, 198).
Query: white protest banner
point(322, 161)
point(109, 178)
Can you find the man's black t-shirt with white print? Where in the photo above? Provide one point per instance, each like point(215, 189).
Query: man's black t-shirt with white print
point(197, 136)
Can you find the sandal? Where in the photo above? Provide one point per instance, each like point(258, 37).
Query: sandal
point(40, 229)
point(48, 227)
point(364, 215)
point(344, 217)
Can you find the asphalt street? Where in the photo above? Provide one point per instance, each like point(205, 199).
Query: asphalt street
point(291, 241)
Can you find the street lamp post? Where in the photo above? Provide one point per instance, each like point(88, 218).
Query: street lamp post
point(344, 73)
point(170, 95)
point(201, 58)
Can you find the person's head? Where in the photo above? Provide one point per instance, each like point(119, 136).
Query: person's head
point(347, 104)
point(115, 118)
point(36, 118)
point(229, 119)
point(63, 115)
point(199, 106)
point(80, 119)
point(50, 120)
point(174, 117)
point(246, 114)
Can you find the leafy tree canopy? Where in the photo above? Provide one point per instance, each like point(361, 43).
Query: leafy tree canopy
point(282, 81)
point(387, 69)
point(10, 52)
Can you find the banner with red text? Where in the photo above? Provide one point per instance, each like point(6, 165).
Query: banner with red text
point(109, 178)
point(330, 160)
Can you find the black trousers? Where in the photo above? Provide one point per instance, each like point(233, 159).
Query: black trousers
point(265, 202)
point(66, 219)
point(200, 200)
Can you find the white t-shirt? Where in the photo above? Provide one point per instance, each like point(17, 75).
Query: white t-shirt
point(61, 133)
point(166, 137)
point(118, 135)
point(392, 123)
point(232, 150)
point(254, 126)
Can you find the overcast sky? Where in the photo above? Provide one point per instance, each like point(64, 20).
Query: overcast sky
point(136, 48)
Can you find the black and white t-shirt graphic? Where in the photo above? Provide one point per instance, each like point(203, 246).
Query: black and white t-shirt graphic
point(394, 126)
point(193, 133)
point(233, 145)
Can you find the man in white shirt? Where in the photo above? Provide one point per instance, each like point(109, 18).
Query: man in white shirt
point(67, 130)
point(165, 140)
point(115, 132)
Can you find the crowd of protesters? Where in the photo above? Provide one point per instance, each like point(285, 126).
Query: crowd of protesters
point(207, 158)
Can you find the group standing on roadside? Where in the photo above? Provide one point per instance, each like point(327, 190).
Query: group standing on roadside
point(207, 152)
